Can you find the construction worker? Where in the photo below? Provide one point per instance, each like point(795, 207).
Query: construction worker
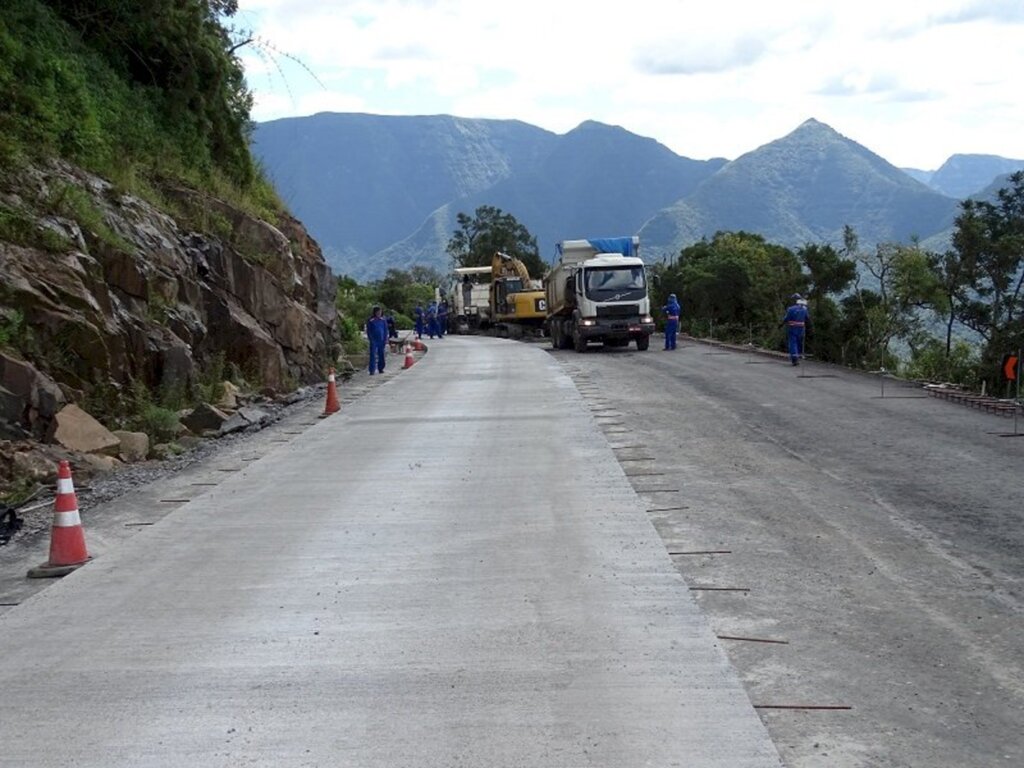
point(377, 333)
point(442, 319)
point(392, 328)
point(672, 311)
point(417, 314)
point(796, 320)
point(432, 319)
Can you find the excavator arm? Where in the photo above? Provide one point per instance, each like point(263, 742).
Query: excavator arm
point(503, 265)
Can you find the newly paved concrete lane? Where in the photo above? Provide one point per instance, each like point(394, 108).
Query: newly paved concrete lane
point(453, 571)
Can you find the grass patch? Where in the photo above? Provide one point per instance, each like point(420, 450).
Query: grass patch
point(73, 202)
point(14, 332)
point(21, 229)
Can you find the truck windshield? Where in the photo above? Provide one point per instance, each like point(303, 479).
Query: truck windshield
point(615, 283)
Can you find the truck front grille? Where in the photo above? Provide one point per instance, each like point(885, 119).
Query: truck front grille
point(619, 310)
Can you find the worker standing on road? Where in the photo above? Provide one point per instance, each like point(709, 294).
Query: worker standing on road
point(432, 319)
point(377, 333)
point(796, 321)
point(442, 318)
point(392, 328)
point(672, 311)
point(417, 313)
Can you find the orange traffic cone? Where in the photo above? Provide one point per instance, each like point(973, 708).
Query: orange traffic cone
point(409, 362)
point(67, 539)
point(418, 345)
point(332, 405)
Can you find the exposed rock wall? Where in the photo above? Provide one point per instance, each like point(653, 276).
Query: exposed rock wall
point(135, 296)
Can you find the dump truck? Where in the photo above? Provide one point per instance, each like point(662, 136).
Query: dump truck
point(518, 303)
point(597, 292)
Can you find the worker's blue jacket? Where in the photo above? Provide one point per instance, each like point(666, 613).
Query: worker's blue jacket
point(377, 330)
point(797, 316)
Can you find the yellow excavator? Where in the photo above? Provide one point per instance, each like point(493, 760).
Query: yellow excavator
point(518, 303)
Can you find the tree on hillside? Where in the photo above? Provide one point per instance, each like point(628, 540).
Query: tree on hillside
point(989, 242)
point(400, 291)
point(491, 230)
point(903, 283)
point(737, 280)
point(179, 52)
point(830, 274)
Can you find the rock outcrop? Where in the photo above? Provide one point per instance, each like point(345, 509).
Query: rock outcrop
point(109, 292)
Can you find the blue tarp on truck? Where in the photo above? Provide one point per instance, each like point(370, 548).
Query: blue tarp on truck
point(624, 245)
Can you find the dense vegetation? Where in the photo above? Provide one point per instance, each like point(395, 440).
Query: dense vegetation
point(866, 305)
point(140, 92)
point(397, 293)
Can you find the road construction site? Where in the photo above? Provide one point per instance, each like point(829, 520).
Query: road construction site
point(509, 555)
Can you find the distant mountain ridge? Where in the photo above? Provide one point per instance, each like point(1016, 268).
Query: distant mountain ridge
point(384, 191)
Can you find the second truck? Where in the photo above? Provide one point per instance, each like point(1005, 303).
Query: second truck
point(597, 292)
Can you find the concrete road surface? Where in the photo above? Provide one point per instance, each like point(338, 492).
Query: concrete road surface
point(453, 571)
point(878, 543)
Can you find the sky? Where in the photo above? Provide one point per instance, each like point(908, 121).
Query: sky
point(914, 81)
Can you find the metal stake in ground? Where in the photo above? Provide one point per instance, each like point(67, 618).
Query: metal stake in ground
point(1016, 405)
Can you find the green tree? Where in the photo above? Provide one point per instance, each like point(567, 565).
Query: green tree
point(491, 230)
point(902, 281)
point(989, 240)
point(736, 280)
point(830, 274)
point(178, 53)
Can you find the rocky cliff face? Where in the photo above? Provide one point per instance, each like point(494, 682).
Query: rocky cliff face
point(104, 292)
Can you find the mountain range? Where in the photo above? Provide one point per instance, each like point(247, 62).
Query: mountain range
point(384, 191)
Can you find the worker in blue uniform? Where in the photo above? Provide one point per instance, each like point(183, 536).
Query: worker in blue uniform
point(672, 311)
point(417, 314)
point(377, 333)
point(442, 319)
point(796, 321)
point(432, 319)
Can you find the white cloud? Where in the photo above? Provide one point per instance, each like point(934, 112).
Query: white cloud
point(705, 79)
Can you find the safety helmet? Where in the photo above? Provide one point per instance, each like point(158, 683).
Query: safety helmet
point(796, 297)
point(671, 295)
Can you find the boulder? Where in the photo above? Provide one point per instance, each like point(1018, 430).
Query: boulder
point(35, 465)
point(76, 430)
point(162, 451)
point(245, 418)
point(134, 446)
point(204, 418)
point(28, 397)
point(188, 442)
point(96, 462)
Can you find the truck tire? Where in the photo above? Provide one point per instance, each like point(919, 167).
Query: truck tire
point(556, 337)
point(643, 342)
point(579, 343)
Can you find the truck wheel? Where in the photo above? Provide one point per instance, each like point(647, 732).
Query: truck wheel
point(643, 342)
point(578, 342)
point(556, 337)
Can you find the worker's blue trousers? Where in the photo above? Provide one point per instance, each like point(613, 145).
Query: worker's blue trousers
point(377, 356)
point(671, 329)
point(795, 336)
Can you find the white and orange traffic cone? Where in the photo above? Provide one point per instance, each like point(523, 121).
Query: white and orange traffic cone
point(67, 539)
point(409, 362)
point(418, 345)
point(332, 405)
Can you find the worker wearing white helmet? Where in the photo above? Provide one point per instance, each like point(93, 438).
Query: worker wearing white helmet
point(796, 320)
